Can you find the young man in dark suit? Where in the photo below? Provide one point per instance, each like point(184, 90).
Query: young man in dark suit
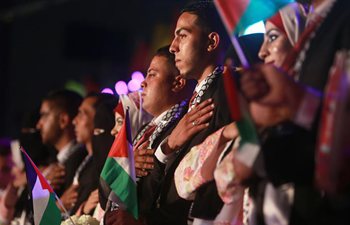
point(164, 97)
point(199, 45)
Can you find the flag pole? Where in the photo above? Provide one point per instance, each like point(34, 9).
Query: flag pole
point(64, 209)
point(21, 149)
point(239, 51)
point(233, 38)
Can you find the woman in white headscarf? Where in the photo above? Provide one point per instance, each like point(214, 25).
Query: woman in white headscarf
point(138, 117)
point(282, 32)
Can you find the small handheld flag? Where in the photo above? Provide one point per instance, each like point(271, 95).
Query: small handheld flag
point(249, 146)
point(119, 170)
point(45, 209)
point(237, 15)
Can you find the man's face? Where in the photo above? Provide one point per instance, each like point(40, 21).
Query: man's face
point(48, 123)
point(189, 46)
point(84, 121)
point(157, 87)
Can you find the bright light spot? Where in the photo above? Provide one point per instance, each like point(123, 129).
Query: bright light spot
point(258, 27)
point(134, 85)
point(107, 91)
point(121, 88)
point(137, 75)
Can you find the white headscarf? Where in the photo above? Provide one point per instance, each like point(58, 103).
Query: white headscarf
point(293, 18)
point(138, 117)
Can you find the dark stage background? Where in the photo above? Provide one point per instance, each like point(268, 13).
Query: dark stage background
point(86, 44)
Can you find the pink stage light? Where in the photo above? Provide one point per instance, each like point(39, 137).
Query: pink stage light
point(107, 91)
point(134, 85)
point(137, 75)
point(121, 88)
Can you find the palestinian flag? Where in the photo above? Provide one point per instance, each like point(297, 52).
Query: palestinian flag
point(237, 15)
point(118, 172)
point(249, 146)
point(44, 205)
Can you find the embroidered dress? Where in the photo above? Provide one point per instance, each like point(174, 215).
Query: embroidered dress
point(192, 171)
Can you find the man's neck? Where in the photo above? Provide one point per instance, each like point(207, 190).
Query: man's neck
point(89, 147)
point(170, 103)
point(208, 70)
point(156, 115)
point(63, 141)
point(316, 3)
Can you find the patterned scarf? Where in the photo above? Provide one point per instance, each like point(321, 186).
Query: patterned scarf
point(208, 80)
point(172, 115)
point(295, 60)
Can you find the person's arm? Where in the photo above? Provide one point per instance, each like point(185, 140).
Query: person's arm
point(193, 122)
point(308, 108)
point(144, 161)
point(55, 174)
point(8, 201)
point(69, 197)
point(275, 97)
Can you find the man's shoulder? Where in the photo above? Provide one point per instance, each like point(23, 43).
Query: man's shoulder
point(216, 89)
point(332, 35)
point(77, 155)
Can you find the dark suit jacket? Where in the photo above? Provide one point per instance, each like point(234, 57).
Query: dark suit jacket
point(149, 187)
point(71, 165)
point(170, 207)
point(88, 182)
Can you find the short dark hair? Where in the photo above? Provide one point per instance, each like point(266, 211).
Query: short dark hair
point(65, 100)
point(208, 18)
point(107, 100)
point(164, 51)
point(103, 99)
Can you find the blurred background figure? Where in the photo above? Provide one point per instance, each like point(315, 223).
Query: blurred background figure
point(8, 192)
point(41, 154)
point(85, 178)
point(101, 143)
point(57, 111)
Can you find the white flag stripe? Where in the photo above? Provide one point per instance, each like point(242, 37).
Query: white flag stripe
point(40, 200)
point(125, 164)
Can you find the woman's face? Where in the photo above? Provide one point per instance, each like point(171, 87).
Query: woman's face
point(275, 47)
point(118, 124)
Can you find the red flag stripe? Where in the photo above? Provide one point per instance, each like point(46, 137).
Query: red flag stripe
point(43, 181)
point(231, 12)
point(231, 95)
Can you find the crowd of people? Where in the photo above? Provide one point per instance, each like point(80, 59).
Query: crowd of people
point(188, 156)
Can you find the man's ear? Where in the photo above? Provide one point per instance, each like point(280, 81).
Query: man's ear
point(178, 84)
point(214, 40)
point(64, 120)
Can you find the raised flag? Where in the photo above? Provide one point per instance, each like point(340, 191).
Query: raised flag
point(118, 172)
point(45, 209)
point(249, 146)
point(237, 15)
